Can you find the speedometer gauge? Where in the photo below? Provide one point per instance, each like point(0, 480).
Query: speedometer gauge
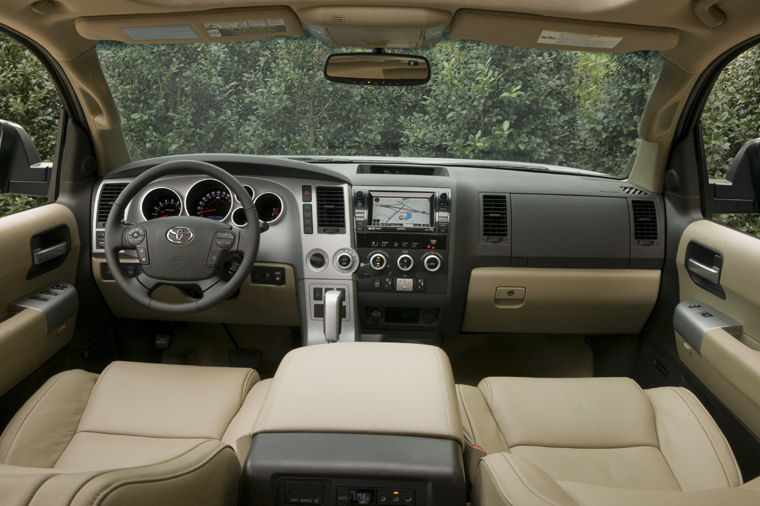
point(214, 204)
point(209, 199)
point(160, 203)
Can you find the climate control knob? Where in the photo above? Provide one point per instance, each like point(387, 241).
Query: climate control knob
point(432, 262)
point(378, 261)
point(405, 262)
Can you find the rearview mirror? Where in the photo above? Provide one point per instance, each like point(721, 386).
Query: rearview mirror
point(377, 68)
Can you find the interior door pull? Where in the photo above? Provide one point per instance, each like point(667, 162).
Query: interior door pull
point(710, 273)
point(40, 256)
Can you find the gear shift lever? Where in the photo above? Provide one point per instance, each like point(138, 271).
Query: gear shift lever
point(332, 320)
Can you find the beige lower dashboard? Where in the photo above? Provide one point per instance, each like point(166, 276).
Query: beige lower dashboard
point(255, 304)
point(565, 301)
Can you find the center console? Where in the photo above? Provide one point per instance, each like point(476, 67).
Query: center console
point(402, 237)
point(358, 423)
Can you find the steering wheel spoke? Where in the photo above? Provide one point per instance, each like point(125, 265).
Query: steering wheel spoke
point(204, 285)
point(148, 283)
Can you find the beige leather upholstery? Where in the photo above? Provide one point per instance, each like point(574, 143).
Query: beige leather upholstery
point(364, 387)
point(583, 441)
point(138, 433)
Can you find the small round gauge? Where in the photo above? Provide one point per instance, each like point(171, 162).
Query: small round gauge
point(209, 199)
point(269, 207)
point(160, 203)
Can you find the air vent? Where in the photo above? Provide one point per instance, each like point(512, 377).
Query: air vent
point(403, 170)
point(495, 217)
point(632, 190)
point(644, 220)
point(331, 211)
point(108, 195)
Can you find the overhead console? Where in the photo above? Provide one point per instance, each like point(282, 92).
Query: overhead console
point(402, 237)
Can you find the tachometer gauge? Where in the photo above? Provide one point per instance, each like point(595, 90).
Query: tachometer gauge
point(209, 199)
point(160, 203)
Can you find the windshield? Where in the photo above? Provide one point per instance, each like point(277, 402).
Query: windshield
point(483, 102)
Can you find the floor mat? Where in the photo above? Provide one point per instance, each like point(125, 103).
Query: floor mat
point(259, 347)
point(476, 356)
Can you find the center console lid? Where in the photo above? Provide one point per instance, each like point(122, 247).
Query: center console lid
point(358, 423)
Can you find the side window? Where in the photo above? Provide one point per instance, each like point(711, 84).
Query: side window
point(731, 128)
point(30, 111)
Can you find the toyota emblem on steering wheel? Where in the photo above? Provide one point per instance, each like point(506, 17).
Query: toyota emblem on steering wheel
point(180, 235)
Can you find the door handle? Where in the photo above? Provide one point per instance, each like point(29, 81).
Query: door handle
point(708, 272)
point(40, 256)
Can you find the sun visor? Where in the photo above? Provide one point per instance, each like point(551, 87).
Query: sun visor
point(207, 26)
point(551, 33)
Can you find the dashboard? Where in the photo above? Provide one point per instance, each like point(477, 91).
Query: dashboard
point(418, 252)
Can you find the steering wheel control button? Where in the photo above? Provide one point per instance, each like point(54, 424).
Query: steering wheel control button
point(404, 284)
point(432, 262)
point(224, 239)
point(142, 255)
point(180, 235)
point(214, 257)
point(135, 236)
point(378, 261)
point(405, 262)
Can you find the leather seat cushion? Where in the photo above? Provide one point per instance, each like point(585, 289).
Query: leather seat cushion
point(601, 431)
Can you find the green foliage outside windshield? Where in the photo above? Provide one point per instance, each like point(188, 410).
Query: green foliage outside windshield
point(485, 102)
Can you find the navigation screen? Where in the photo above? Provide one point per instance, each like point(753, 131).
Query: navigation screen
point(400, 211)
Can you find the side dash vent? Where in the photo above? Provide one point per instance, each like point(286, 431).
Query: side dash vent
point(108, 195)
point(331, 210)
point(494, 217)
point(632, 190)
point(644, 220)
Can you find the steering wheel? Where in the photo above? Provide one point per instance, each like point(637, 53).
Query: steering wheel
point(182, 251)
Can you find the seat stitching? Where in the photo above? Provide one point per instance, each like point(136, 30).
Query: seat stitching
point(490, 411)
point(146, 436)
point(657, 435)
point(49, 477)
point(14, 438)
point(522, 480)
point(445, 391)
point(115, 486)
point(707, 433)
point(463, 403)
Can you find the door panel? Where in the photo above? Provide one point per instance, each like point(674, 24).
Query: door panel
point(720, 268)
point(39, 248)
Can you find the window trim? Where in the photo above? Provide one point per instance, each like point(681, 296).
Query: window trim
point(689, 124)
point(72, 109)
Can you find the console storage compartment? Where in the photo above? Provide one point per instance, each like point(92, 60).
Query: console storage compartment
point(358, 423)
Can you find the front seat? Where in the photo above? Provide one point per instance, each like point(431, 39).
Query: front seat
point(137, 434)
point(595, 441)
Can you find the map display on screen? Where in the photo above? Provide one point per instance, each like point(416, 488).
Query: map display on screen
point(398, 211)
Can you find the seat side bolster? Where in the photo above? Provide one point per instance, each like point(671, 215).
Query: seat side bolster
point(40, 431)
point(504, 479)
point(478, 422)
point(239, 432)
point(206, 474)
point(691, 442)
